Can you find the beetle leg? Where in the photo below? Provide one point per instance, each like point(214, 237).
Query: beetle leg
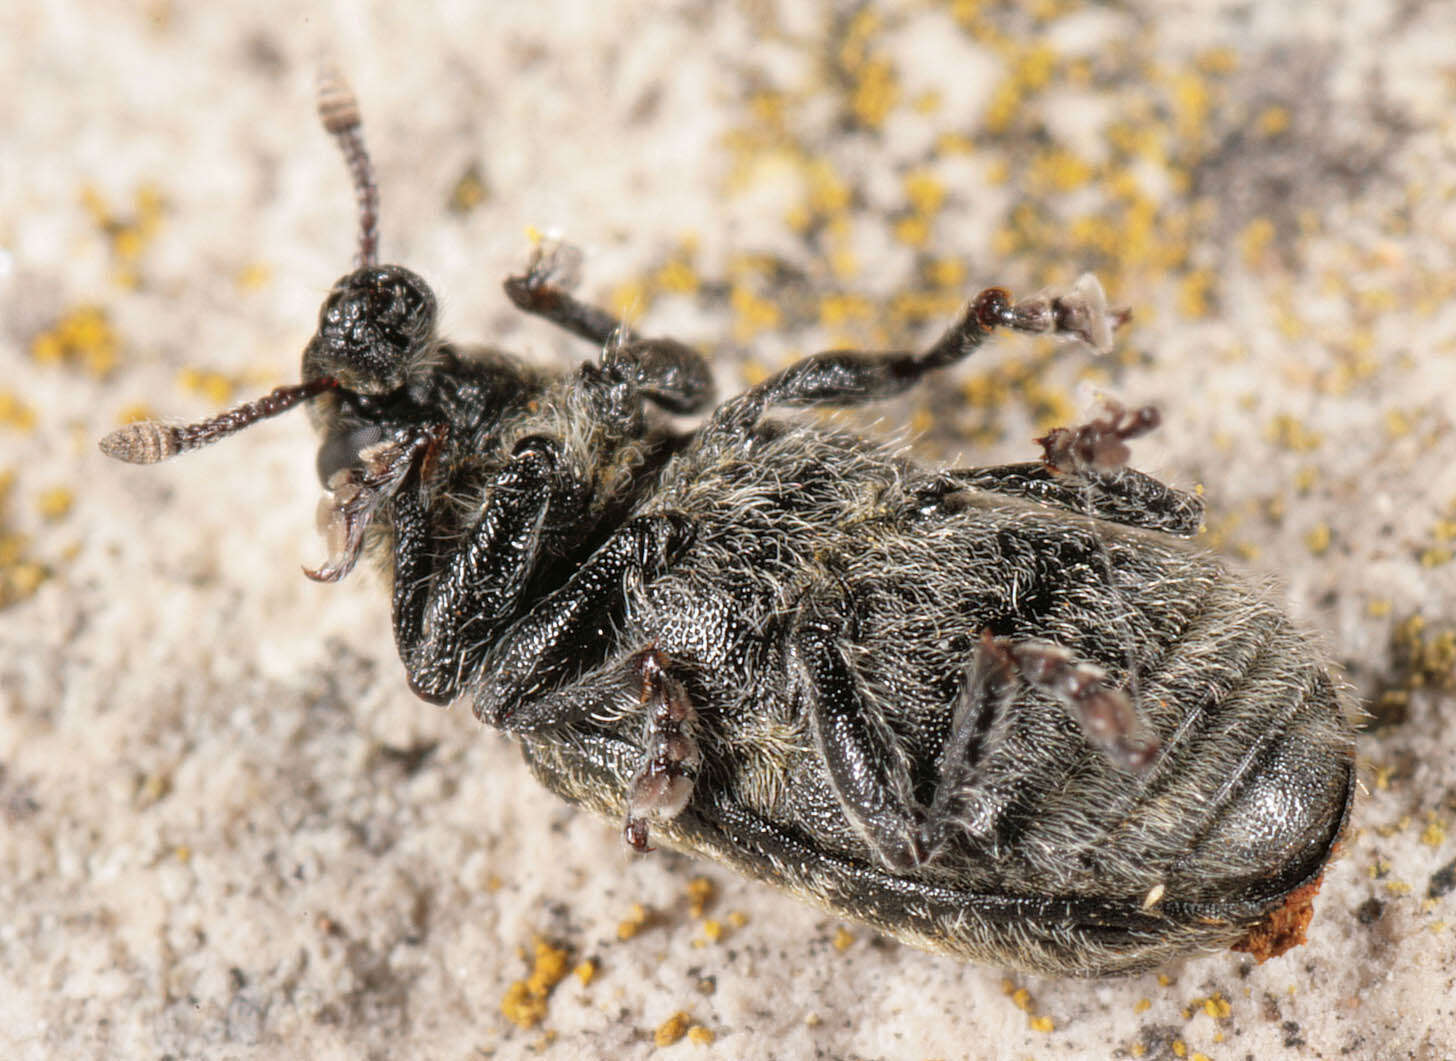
point(1105, 714)
point(867, 770)
point(544, 648)
point(447, 610)
point(1122, 495)
point(670, 373)
point(852, 377)
point(664, 783)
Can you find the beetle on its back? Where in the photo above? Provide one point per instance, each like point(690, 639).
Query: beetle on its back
point(1005, 713)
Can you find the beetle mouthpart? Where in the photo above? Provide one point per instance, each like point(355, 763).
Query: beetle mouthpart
point(343, 516)
point(151, 441)
point(355, 496)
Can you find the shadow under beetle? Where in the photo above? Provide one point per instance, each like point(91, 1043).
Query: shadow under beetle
point(1004, 713)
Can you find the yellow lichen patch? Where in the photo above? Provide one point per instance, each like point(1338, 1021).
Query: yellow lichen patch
point(701, 1036)
point(1287, 432)
point(924, 191)
point(586, 971)
point(946, 272)
point(20, 576)
point(1318, 538)
point(213, 386)
point(752, 314)
point(838, 310)
point(701, 893)
point(253, 277)
point(843, 939)
point(15, 413)
point(1194, 290)
point(1255, 240)
point(634, 922)
point(1217, 1007)
point(525, 1000)
point(874, 84)
point(469, 190)
point(1058, 170)
point(1434, 834)
point(672, 1029)
point(127, 235)
point(55, 503)
point(913, 230)
point(83, 338)
point(676, 277)
point(629, 299)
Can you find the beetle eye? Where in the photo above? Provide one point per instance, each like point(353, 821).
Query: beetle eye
point(342, 450)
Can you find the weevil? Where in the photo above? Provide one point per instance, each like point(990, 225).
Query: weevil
point(1006, 713)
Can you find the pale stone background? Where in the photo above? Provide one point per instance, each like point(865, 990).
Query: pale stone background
point(230, 831)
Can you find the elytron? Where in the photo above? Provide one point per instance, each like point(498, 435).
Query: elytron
point(1006, 713)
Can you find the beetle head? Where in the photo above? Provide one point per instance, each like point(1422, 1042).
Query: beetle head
point(376, 325)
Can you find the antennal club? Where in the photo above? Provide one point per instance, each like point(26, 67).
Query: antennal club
point(339, 112)
point(151, 441)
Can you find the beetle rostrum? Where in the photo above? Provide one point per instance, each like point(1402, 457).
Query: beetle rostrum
point(1006, 713)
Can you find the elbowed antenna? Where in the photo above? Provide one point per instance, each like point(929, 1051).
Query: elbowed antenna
point(151, 441)
point(339, 112)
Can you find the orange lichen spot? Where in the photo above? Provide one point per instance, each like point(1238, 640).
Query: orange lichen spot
point(1142, 1005)
point(701, 1036)
point(1043, 1024)
point(672, 1029)
point(1283, 928)
point(843, 939)
point(525, 1000)
point(586, 971)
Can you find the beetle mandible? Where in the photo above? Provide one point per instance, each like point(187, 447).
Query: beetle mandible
point(1005, 713)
